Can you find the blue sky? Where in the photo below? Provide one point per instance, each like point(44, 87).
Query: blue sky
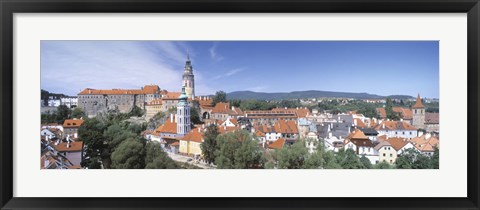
point(377, 67)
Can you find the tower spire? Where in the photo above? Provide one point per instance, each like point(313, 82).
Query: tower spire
point(188, 55)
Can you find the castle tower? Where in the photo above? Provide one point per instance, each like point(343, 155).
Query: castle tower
point(418, 114)
point(183, 115)
point(188, 79)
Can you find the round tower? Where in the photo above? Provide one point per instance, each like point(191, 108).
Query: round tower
point(188, 79)
point(183, 114)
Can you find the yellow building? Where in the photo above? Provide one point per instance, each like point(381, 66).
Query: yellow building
point(190, 143)
point(153, 107)
point(386, 152)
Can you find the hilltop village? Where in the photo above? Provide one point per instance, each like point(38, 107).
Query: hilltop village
point(152, 127)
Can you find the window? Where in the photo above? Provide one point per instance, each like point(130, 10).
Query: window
point(391, 155)
point(383, 154)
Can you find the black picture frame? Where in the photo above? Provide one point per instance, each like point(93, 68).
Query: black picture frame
point(10, 7)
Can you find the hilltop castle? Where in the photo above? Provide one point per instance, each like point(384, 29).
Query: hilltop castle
point(150, 97)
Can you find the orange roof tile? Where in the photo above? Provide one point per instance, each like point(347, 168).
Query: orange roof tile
point(282, 126)
point(168, 127)
point(193, 135)
point(405, 112)
point(74, 147)
point(359, 123)
point(418, 103)
point(397, 143)
point(172, 96)
point(301, 112)
point(72, 123)
point(225, 129)
point(222, 107)
point(394, 125)
point(148, 89)
point(382, 112)
point(151, 89)
point(278, 144)
point(358, 134)
point(175, 144)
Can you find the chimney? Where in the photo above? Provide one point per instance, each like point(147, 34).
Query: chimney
point(68, 145)
point(199, 129)
point(329, 135)
point(171, 117)
point(328, 128)
point(383, 125)
point(233, 108)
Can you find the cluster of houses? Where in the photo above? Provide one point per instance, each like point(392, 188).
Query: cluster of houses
point(378, 139)
point(60, 146)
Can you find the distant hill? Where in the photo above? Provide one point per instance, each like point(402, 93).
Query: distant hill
point(306, 94)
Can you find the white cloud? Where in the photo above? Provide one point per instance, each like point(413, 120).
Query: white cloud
point(214, 54)
point(230, 73)
point(70, 66)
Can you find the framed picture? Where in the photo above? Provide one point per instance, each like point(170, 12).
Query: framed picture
point(275, 99)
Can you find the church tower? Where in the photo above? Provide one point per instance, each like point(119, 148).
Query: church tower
point(183, 115)
point(188, 79)
point(418, 114)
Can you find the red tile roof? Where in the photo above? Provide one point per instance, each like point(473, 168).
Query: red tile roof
point(74, 147)
point(193, 135)
point(72, 123)
point(278, 144)
point(148, 89)
point(405, 112)
point(172, 96)
point(359, 123)
point(168, 127)
point(382, 112)
point(282, 126)
point(397, 143)
point(418, 103)
point(301, 112)
point(394, 125)
point(432, 118)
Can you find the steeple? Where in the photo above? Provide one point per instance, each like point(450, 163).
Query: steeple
point(188, 79)
point(418, 104)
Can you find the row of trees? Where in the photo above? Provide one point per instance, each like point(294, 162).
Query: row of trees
point(240, 150)
point(112, 142)
point(61, 114)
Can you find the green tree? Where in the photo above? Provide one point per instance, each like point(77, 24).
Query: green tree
point(366, 162)
point(293, 157)
point(209, 145)
point(220, 96)
point(413, 159)
point(78, 113)
point(157, 120)
point(389, 110)
point(194, 115)
point(238, 150)
point(383, 165)
point(156, 158)
point(136, 112)
point(91, 133)
point(130, 154)
point(348, 159)
point(331, 161)
point(435, 159)
point(63, 113)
